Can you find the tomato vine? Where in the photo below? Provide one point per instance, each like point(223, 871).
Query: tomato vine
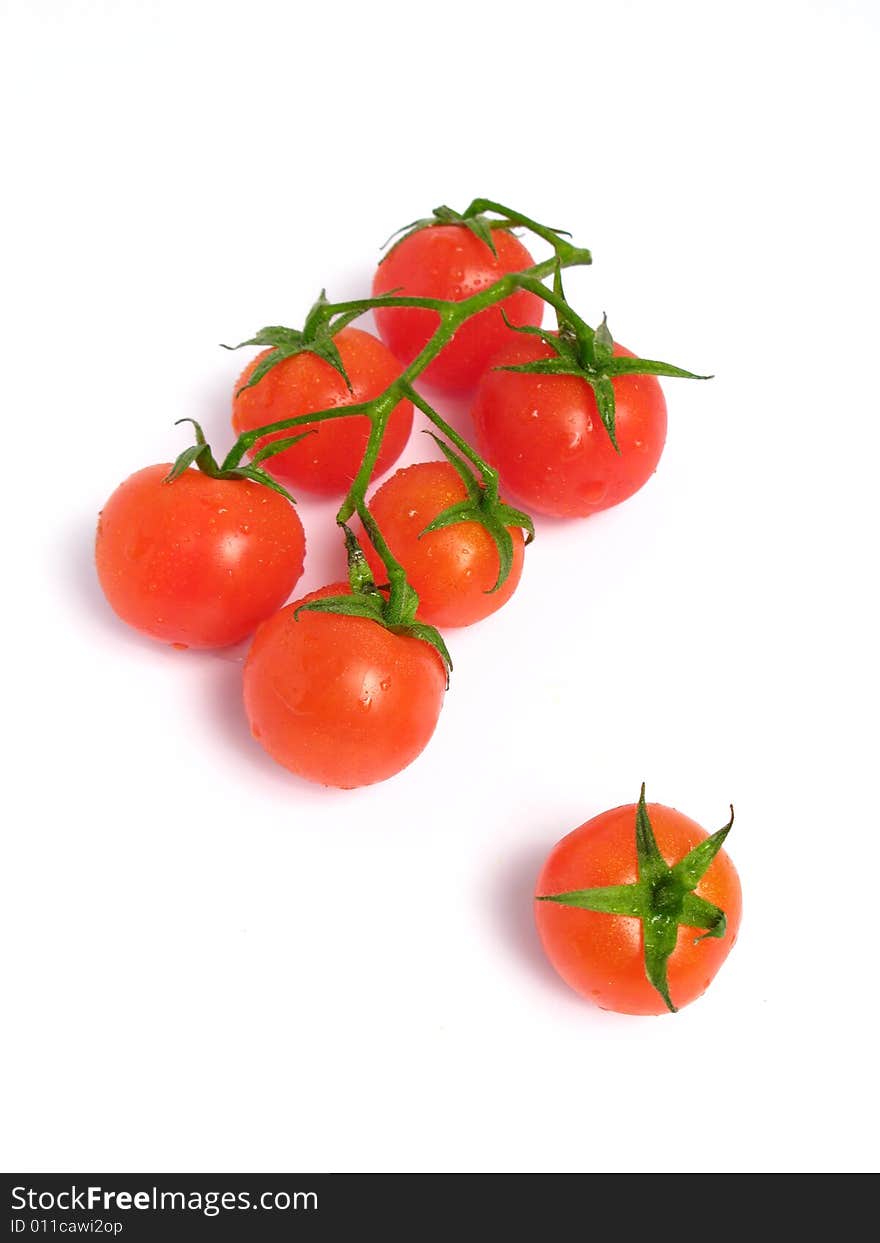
point(577, 348)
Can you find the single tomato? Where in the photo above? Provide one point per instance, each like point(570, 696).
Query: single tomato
point(197, 562)
point(448, 261)
point(680, 890)
point(453, 569)
point(341, 700)
point(326, 461)
point(544, 434)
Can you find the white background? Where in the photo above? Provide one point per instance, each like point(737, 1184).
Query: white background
point(212, 966)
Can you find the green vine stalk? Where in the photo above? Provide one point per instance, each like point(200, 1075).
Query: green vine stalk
point(579, 350)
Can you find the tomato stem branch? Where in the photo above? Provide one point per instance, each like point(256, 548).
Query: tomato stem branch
point(327, 318)
point(488, 473)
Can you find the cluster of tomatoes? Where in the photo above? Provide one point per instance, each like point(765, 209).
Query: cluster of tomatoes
point(336, 690)
point(202, 561)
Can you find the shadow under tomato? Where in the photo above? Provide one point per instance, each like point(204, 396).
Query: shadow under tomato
point(512, 903)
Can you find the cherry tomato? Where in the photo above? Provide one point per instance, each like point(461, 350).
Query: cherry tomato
point(602, 955)
point(198, 562)
point(449, 262)
point(341, 700)
point(454, 569)
point(327, 461)
point(544, 435)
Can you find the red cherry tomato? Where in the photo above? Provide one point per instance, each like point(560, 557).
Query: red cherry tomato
point(602, 956)
point(449, 262)
point(341, 700)
point(198, 562)
point(327, 461)
point(544, 435)
point(453, 570)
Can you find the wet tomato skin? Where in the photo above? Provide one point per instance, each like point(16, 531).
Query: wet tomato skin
point(544, 434)
point(453, 570)
point(199, 562)
point(601, 956)
point(449, 262)
point(327, 460)
point(341, 701)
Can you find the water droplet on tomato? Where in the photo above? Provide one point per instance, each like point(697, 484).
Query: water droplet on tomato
point(385, 684)
point(594, 491)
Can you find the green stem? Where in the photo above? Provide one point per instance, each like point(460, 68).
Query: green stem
point(488, 473)
point(247, 440)
point(566, 252)
point(378, 410)
point(557, 301)
point(381, 410)
point(401, 603)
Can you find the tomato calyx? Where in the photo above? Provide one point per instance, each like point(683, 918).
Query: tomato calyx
point(315, 337)
point(482, 505)
point(200, 455)
point(476, 220)
point(579, 350)
point(393, 605)
point(480, 225)
point(662, 898)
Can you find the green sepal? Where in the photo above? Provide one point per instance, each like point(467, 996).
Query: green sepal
point(547, 366)
point(603, 391)
point(184, 461)
point(493, 515)
point(200, 455)
point(347, 606)
point(271, 447)
point(366, 600)
point(698, 913)
point(662, 897)
point(480, 225)
point(370, 607)
point(651, 862)
point(603, 344)
point(648, 366)
point(690, 870)
point(589, 354)
point(275, 335)
point(511, 517)
point(315, 338)
point(607, 900)
point(461, 511)
point(504, 545)
point(263, 367)
point(257, 475)
point(554, 340)
point(427, 634)
point(659, 935)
